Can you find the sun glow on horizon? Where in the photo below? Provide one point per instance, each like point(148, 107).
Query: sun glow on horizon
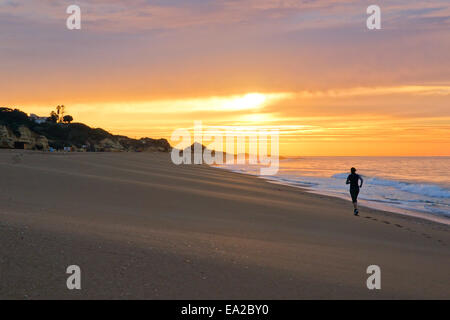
point(232, 103)
point(248, 101)
point(330, 122)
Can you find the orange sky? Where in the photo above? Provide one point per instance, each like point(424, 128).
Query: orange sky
point(310, 69)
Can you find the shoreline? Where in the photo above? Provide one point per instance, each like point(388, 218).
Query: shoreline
point(380, 207)
point(361, 202)
point(420, 217)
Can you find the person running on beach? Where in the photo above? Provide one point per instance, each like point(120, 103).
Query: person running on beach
point(352, 180)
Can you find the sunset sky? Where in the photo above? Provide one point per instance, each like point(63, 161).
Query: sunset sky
point(309, 68)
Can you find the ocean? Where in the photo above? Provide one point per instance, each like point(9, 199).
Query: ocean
point(418, 186)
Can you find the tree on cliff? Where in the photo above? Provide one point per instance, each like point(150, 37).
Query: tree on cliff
point(53, 117)
point(10, 116)
point(68, 119)
point(60, 113)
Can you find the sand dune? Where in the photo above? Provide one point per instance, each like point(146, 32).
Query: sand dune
point(141, 227)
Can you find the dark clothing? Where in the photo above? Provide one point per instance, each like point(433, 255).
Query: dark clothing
point(353, 180)
point(354, 193)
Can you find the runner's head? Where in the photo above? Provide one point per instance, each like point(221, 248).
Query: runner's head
point(353, 170)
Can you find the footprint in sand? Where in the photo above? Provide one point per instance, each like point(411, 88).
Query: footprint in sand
point(408, 229)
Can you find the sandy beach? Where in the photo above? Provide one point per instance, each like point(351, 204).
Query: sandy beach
point(141, 227)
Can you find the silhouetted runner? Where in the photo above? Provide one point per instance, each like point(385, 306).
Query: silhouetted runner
point(353, 180)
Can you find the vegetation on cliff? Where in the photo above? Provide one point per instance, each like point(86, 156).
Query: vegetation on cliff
point(61, 132)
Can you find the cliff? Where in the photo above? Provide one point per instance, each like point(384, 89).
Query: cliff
point(18, 131)
point(26, 139)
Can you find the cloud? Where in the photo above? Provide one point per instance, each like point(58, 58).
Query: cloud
point(143, 50)
point(141, 15)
